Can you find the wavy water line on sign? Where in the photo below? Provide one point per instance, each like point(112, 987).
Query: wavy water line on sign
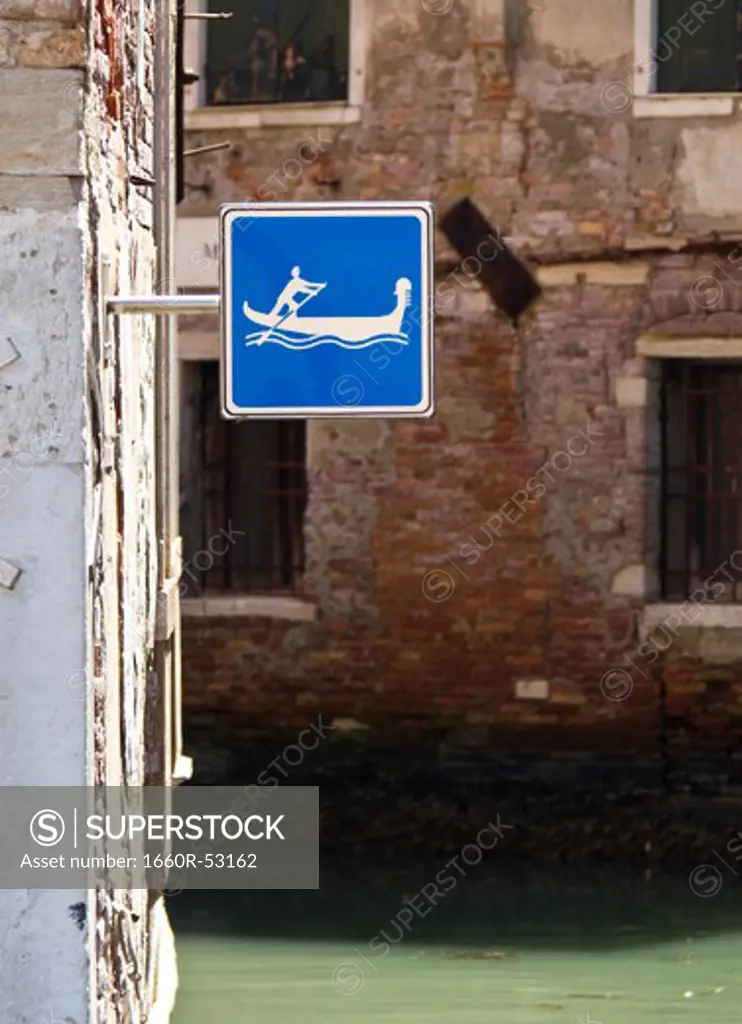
point(277, 338)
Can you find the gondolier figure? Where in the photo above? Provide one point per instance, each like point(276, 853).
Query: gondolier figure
point(286, 327)
point(295, 294)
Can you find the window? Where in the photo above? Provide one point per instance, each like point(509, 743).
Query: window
point(687, 58)
point(698, 46)
point(278, 51)
point(701, 478)
point(243, 495)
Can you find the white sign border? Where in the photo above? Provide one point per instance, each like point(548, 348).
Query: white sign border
point(425, 213)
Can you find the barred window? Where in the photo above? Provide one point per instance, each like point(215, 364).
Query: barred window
point(701, 481)
point(278, 51)
point(243, 495)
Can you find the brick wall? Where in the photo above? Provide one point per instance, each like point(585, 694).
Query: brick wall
point(426, 620)
point(451, 558)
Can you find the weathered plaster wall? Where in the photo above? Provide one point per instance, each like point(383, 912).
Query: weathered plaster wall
point(525, 124)
point(43, 962)
point(525, 107)
point(77, 490)
point(565, 34)
point(707, 189)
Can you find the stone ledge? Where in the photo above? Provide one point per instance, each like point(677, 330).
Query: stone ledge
point(709, 633)
point(662, 346)
point(688, 105)
point(226, 606)
point(671, 243)
point(708, 616)
point(627, 274)
point(288, 115)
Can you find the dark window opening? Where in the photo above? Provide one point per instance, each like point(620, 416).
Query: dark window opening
point(701, 483)
point(278, 51)
point(698, 48)
point(244, 493)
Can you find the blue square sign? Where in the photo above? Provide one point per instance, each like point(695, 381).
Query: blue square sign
point(327, 310)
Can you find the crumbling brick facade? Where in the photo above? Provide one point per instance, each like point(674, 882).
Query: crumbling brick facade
point(509, 545)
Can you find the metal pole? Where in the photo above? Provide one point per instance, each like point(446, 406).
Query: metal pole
point(165, 305)
point(166, 384)
point(207, 149)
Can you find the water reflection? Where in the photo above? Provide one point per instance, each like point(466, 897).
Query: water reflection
point(518, 945)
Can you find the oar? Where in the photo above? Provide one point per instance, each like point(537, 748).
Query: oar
point(287, 315)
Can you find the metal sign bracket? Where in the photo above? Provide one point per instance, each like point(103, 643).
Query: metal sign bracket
point(162, 305)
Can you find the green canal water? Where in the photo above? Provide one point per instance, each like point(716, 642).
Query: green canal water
point(515, 946)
